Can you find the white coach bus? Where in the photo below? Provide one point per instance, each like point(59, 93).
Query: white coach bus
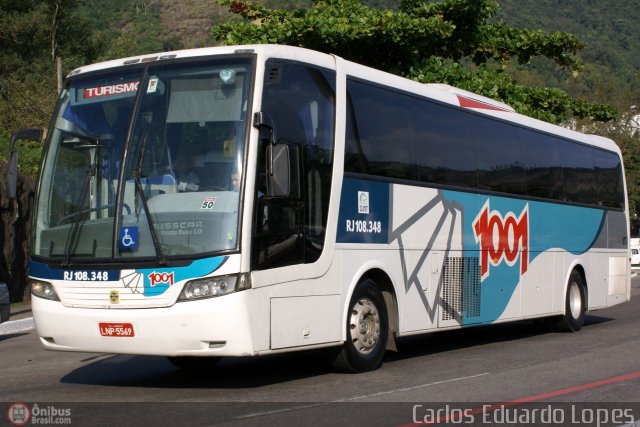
point(238, 201)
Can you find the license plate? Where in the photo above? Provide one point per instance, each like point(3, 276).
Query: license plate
point(116, 330)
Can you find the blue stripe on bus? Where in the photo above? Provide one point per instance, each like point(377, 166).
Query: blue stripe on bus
point(42, 270)
point(566, 227)
point(198, 268)
point(156, 280)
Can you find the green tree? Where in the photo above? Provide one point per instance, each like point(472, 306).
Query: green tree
point(34, 33)
point(450, 41)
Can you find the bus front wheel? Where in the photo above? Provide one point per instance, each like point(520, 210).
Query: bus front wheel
point(574, 310)
point(367, 330)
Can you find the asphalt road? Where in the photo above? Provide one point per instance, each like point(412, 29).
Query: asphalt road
point(446, 377)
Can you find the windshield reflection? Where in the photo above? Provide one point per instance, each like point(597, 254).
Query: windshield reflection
point(174, 193)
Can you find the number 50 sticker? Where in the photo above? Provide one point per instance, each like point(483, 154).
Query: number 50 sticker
point(208, 203)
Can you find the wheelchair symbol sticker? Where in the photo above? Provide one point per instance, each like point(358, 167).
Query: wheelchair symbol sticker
point(128, 238)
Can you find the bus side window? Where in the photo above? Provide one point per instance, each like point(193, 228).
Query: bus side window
point(443, 145)
point(382, 118)
point(608, 173)
point(498, 156)
point(579, 180)
point(543, 171)
point(357, 151)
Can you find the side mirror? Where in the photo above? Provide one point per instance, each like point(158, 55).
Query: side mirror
point(278, 171)
point(264, 123)
point(277, 155)
point(31, 134)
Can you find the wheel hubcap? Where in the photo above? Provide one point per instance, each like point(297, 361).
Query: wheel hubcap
point(364, 325)
point(575, 300)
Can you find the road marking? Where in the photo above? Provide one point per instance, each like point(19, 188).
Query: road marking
point(278, 411)
point(606, 381)
point(350, 399)
point(533, 398)
point(15, 326)
point(398, 390)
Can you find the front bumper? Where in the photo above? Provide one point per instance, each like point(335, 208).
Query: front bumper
point(210, 327)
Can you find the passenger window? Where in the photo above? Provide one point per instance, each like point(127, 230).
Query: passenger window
point(543, 171)
point(381, 119)
point(443, 145)
point(579, 182)
point(608, 171)
point(398, 136)
point(498, 156)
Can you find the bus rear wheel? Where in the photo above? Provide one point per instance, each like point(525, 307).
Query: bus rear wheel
point(367, 330)
point(574, 309)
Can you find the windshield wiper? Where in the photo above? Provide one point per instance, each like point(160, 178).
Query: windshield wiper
point(72, 237)
point(137, 174)
point(79, 141)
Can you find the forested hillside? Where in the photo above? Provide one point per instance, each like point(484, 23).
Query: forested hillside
point(610, 34)
point(608, 31)
point(94, 30)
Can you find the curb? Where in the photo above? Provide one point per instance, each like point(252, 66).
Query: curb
point(15, 326)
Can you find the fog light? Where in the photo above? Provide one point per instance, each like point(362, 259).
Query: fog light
point(43, 290)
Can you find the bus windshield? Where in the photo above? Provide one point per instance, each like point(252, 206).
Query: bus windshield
point(145, 163)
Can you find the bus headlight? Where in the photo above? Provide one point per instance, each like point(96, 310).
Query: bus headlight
point(43, 290)
point(213, 286)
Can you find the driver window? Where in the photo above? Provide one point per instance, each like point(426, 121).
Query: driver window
point(299, 101)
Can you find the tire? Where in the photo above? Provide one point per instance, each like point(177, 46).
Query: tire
point(194, 363)
point(574, 307)
point(367, 330)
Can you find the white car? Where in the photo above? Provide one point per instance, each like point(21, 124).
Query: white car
point(4, 303)
point(635, 256)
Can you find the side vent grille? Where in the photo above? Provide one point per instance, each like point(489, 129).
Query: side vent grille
point(460, 288)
